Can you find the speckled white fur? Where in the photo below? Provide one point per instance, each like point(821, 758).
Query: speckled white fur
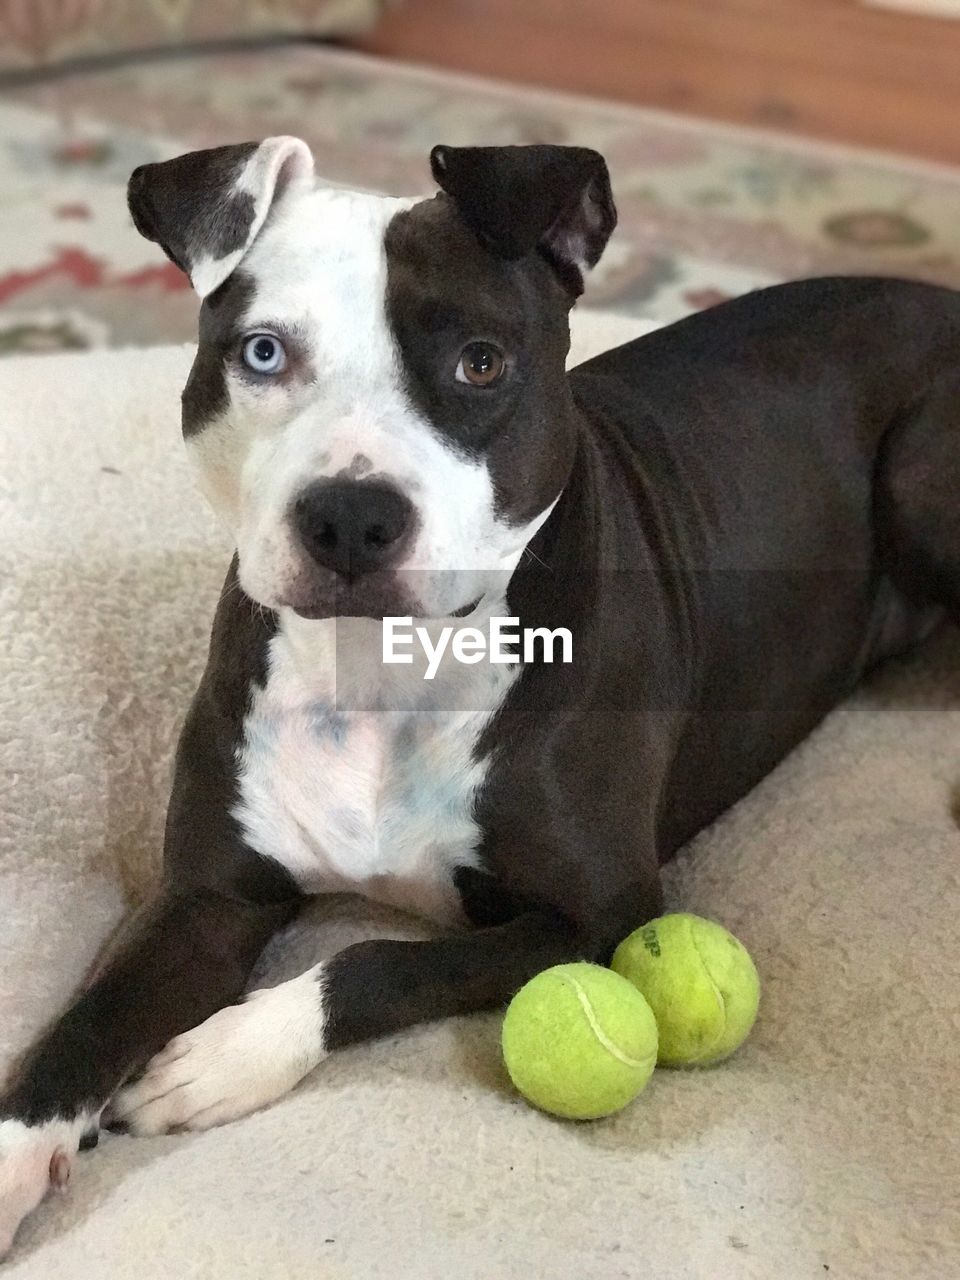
point(359, 775)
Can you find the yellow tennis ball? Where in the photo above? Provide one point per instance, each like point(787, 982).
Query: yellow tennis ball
point(579, 1041)
point(700, 983)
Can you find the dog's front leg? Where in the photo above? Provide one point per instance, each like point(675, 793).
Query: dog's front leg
point(188, 955)
point(252, 1053)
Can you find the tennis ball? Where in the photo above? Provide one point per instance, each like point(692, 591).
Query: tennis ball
point(579, 1041)
point(700, 983)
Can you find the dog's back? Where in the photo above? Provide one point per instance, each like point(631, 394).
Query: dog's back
point(760, 435)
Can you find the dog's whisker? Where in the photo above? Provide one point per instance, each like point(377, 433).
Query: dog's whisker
point(533, 556)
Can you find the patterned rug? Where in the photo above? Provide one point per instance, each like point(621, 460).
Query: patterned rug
point(706, 212)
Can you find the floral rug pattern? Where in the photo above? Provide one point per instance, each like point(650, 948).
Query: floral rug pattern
point(705, 212)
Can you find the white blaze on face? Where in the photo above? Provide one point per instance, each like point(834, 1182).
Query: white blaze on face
point(319, 270)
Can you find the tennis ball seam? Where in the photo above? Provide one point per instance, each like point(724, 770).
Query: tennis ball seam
point(716, 991)
point(598, 1031)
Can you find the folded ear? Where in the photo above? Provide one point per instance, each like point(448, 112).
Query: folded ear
point(517, 199)
point(205, 209)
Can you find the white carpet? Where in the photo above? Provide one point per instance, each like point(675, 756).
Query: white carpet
point(827, 1147)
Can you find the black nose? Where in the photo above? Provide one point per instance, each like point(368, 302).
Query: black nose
point(352, 526)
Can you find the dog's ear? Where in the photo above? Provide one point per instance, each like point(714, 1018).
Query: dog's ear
point(205, 209)
point(517, 199)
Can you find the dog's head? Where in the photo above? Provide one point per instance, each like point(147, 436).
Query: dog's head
point(378, 408)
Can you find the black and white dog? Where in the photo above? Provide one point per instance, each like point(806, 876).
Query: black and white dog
point(734, 518)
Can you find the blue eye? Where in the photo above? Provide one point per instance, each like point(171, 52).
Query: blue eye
point(263, 353)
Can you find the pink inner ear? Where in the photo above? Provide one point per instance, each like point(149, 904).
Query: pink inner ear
point(294, 159)
point(298, 163)
point(273, 167)
point(291, 170)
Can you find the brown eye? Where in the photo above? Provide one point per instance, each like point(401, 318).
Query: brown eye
point(480, 364)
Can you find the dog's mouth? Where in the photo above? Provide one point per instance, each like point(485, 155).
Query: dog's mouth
point(404, 609)
point(377, 595)
point(348, 604)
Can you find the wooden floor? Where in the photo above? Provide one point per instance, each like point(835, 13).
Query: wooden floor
point(831, 68)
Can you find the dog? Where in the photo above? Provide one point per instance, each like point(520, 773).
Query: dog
point(734, 518)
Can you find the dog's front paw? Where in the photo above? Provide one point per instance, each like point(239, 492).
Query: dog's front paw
point(239, 1060)
point(33, 1158)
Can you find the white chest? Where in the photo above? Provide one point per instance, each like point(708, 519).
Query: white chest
point(361, 777)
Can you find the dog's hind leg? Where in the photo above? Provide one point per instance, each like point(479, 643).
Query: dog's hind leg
point(918, 499)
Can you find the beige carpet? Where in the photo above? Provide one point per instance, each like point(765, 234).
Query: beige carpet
point(828, 1146)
